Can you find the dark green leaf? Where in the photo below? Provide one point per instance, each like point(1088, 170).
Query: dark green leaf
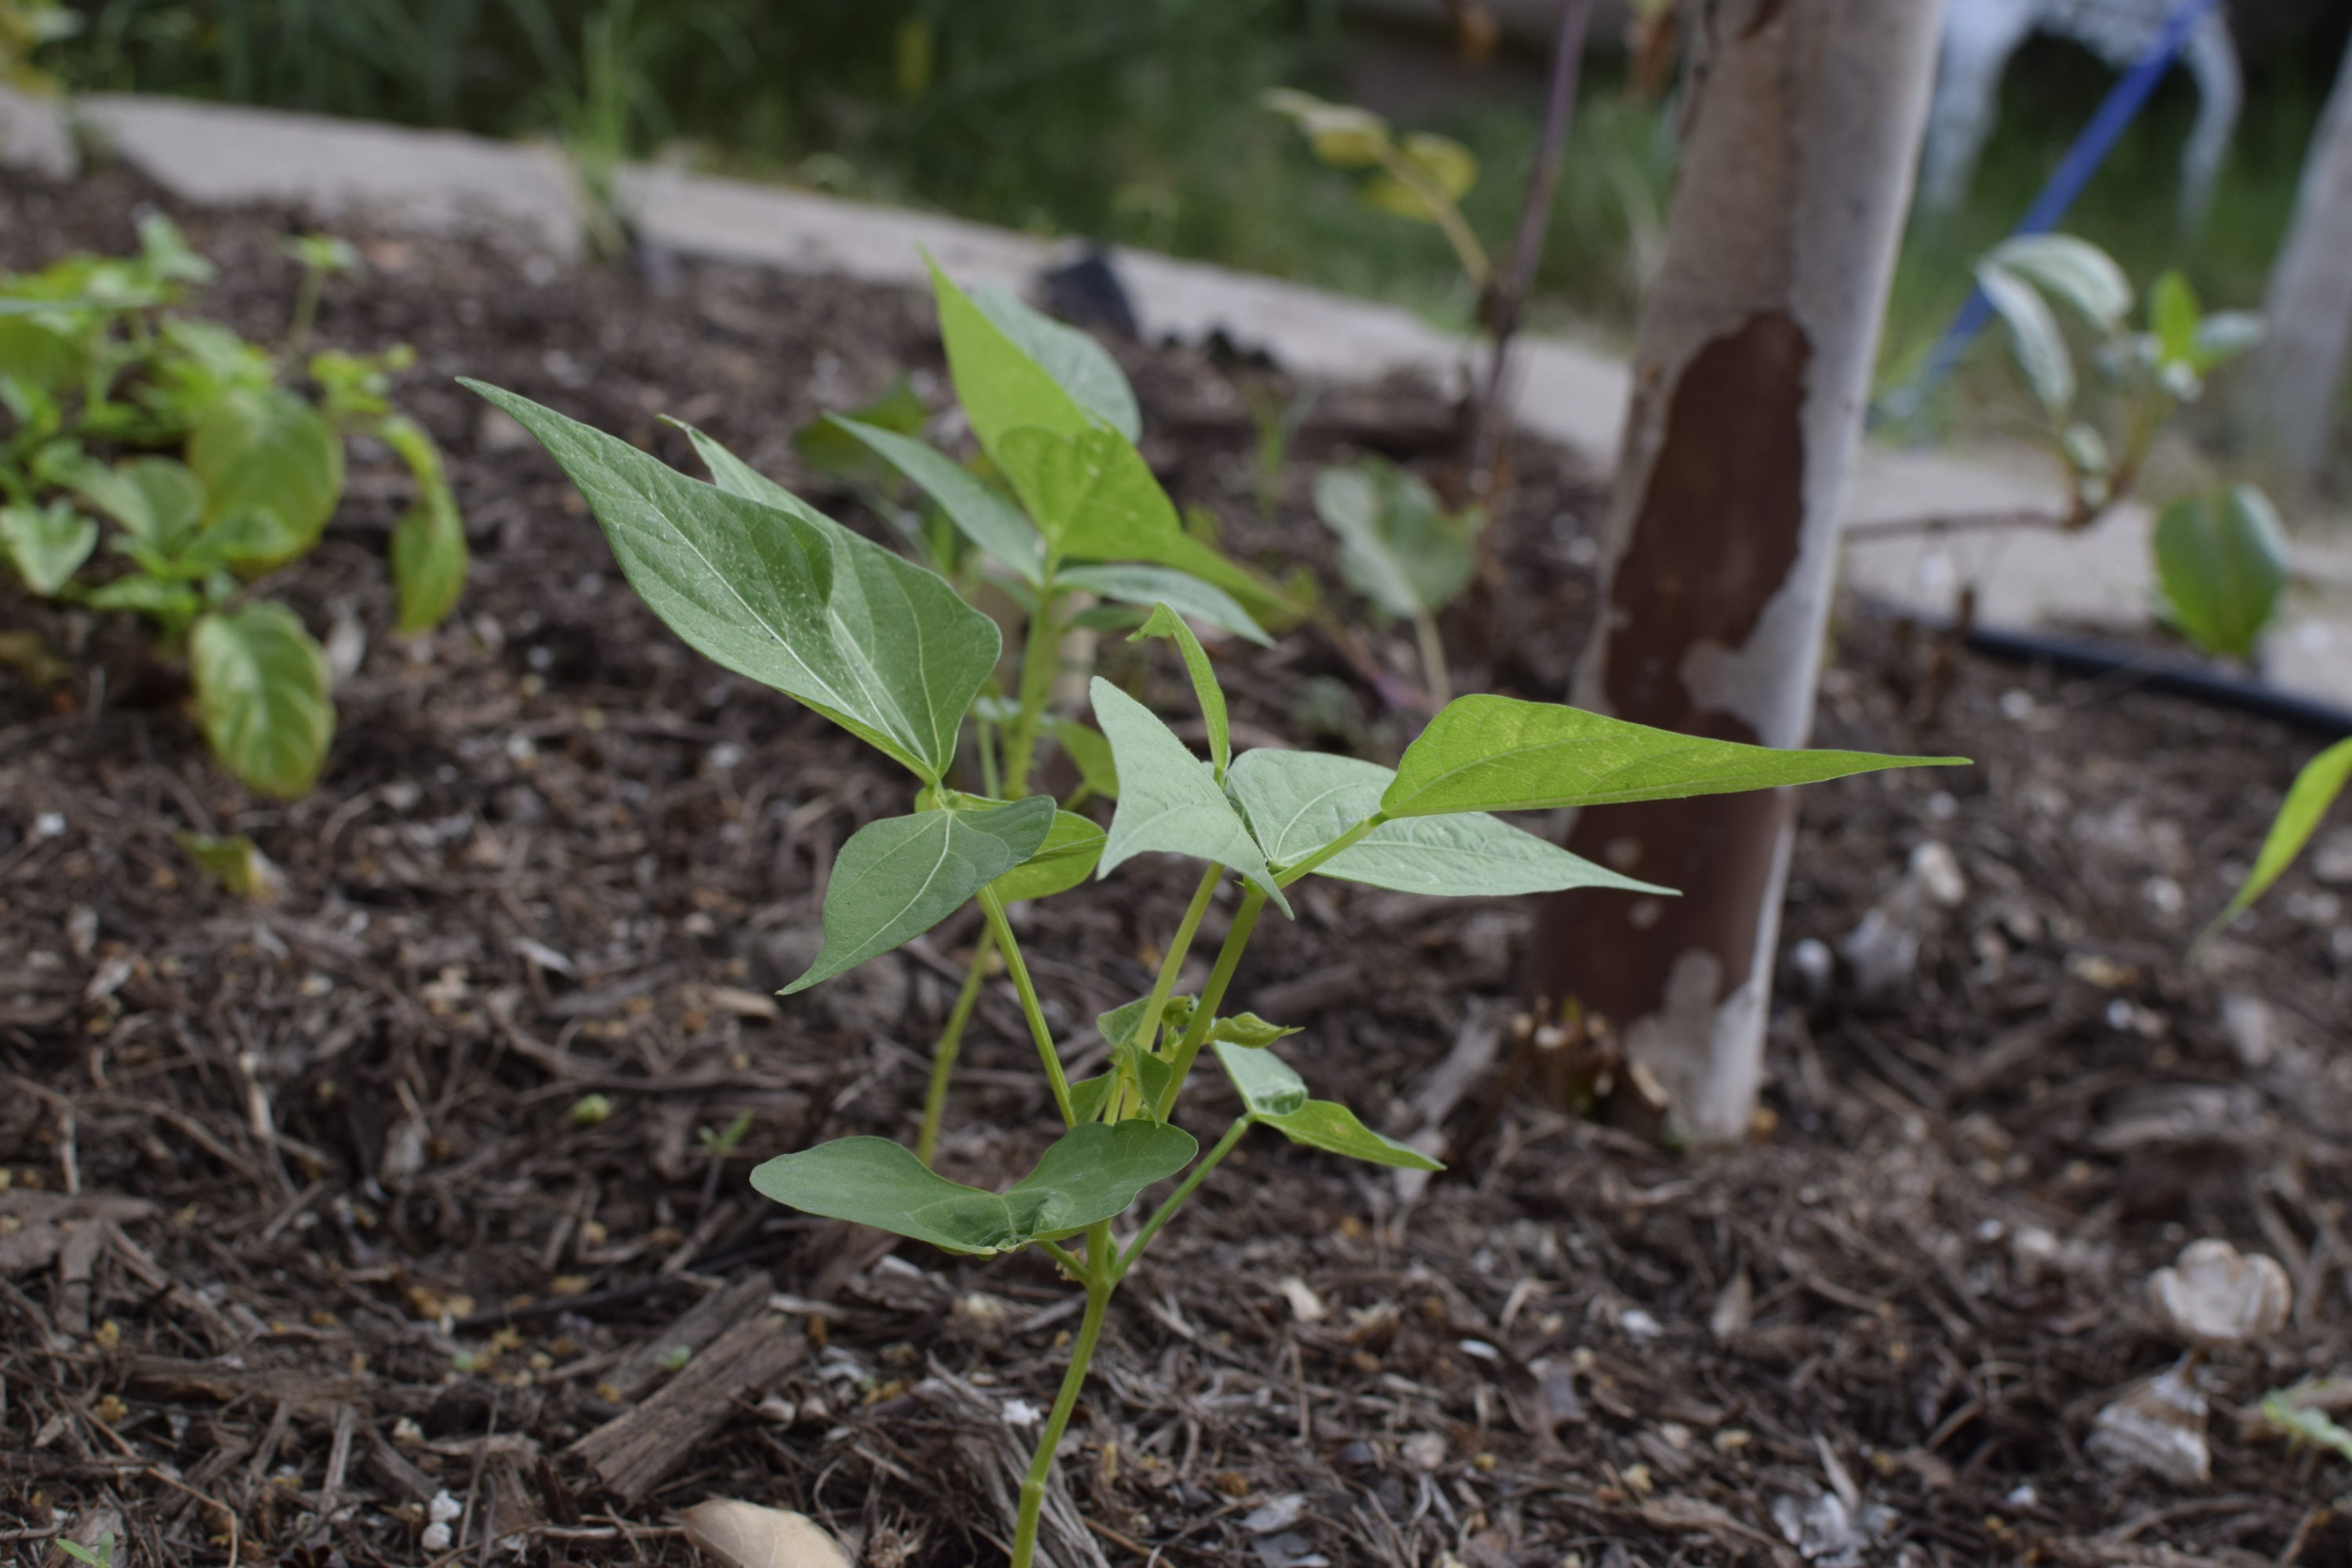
point(736, 477)
point(992, 523)
point(1065, 859)
point(263, 697)
point(1498, 754)
point(785, 596)
point(1164, 622)
point(1168, 801)
point(47, 545)
point(1182, 592)
point(1277, 1097)
point(2220, 562)
point(1092, 1173)
point(268, 448)
point(1248, 1031)
point(897, 877)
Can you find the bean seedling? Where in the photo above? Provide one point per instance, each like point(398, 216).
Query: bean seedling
point(887, 648)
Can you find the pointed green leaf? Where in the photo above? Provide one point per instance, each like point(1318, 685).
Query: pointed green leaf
point(733, 475)
point(1187, 594)
point(1397, 546)
point(1000, 383)
point(1065, 859)
point(1248, 1031)
point(2307, 799)
point(2221, 564)
point(1090, 753)
point(1296, 802)
point(1092, 1173)
point(1277, 1097)
point(173, 605)
point(47, 545)
point(2172, 315)
point(1268, 1085)
point(268, 448)
point(992, 523)
point(1166, 623)
point(785, 594)
point(2033, 335)
point(1498, 754)
point(2072, 270)
point(1080, 365)
point(1168, 801)
point(897, 877)
point(263, 696)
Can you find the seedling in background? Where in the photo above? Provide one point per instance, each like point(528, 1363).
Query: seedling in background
point(1402, 550)
point(1420, 175)
point(99, 1556)
point(2219, 558)
point(769, 587)
point(213, 473)
point(2307, 799)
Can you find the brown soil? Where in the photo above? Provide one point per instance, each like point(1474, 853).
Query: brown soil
point(300, 1227)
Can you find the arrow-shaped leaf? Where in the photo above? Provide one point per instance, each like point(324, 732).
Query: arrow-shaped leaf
point(1166, 623)
point(1498, 754)
point(1277, 1097)
point(897, 877)
point(1167, 799)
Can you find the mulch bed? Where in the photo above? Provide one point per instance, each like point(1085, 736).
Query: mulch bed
point(301, 1230)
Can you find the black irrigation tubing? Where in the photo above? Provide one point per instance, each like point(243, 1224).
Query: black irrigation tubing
point(2177, 678)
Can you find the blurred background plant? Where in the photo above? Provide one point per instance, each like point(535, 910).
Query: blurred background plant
point(1141, 124)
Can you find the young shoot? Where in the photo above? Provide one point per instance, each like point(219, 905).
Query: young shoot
point(887, 648)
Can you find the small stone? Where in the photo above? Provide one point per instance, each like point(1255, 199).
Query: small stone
point(2215, 1295)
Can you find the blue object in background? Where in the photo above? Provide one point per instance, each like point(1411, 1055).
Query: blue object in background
point(2123, 102)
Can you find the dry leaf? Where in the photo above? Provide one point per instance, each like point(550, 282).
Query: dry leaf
point(746, 1535)
point(2215, 1295)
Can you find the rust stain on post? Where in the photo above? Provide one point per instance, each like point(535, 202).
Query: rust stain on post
point(1719, 532)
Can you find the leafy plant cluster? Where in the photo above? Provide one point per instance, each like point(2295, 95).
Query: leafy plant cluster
point(2221, 557)
point(891, 650)
point(156, 463)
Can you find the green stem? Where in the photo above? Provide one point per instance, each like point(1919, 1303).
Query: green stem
point(306, 313)
point(1040, 656)
point(1175, 1200)
point(1229, 958)
point(1146, 1028)
point(994, 907)
point(1353, 836)
point(1069, 1261)
point(1435, 677)
point(1101, 1280)
point(950, 1042)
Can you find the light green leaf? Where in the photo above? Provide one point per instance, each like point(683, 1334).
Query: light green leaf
point(251, 537)
point(235, 862)
point(2071, 270)
point(173, 605)
point(897, 877)
point(1342, 135)
point(1065, 859)
point(1397, 546)
point(1187, 594)
point(1090, 753)
point(263, 696)
point(1166, 623)
point(785, 594)
point(158, 502)
point(1248, 1031)
point(1080, 367)
point(733, 475)
point(2220, 562)
point(1166, 801)
point(1092, 1173)
point(1498, 754)
point(2307, 799)
point(1296, 802)
point(2035, 339)
point(992, 523)
point(268, 448)
point(47, 545)
point(429, 558)
point(1446, 168)
point(1000, 386)
point(1277, 1097)
point(2172, 316)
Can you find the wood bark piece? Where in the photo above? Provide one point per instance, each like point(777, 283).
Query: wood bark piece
point(692, 1333)
point(632, 1452)
point(2307, 308)
point(1750, 375)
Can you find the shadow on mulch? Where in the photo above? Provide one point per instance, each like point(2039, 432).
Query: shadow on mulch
point(303, 1229)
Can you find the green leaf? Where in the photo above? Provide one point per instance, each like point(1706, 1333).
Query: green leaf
point(1397, 546)
point(1080, 367)
point(1187, 594)
point(2222, 337)
point(1166, 623)
point(1065, 859)
point(1001, 384)
point(2220, 562)
point(429, 557)
point(829, 445)
point(1248, 1031)
point(158, 502)
point(2039, 346)
point(1297, 802)
point(47, 545)
point(1092, 1173)
point(733, 475)
point(2074, 271)
point(897, 877)
point(2172, 316)
point(175, 604)
point(785, 594)
point(235, 862)
point(992, 523)
point(1341, 134)
point(1090, 753)
point(1277, 1097)
point(263, 697)
point(2307, 799)
point(1498, 754)
point(1441, 162)
point(268, 448)
point(1166, 801)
